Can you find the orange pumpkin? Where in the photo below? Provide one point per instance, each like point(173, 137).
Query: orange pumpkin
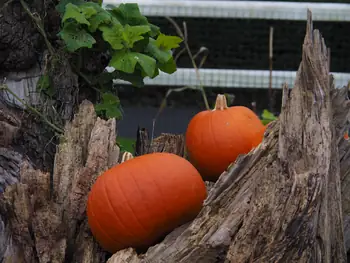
point(215, 138)
point(259, 136)
point(137, 202)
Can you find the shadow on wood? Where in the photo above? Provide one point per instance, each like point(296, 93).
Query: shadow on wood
point(283, 202)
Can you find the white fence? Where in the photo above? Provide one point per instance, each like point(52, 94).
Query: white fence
point(225, 78)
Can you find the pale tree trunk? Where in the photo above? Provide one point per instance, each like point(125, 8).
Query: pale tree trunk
point(285, 201)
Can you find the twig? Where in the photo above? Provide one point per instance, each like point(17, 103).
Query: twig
point(39, 25)
point(183, 35)
point(270, 67)
point(53, 126)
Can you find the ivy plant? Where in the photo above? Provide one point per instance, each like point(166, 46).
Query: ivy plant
point(137, 49)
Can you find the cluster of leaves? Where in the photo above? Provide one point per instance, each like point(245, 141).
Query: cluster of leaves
point(137, 48)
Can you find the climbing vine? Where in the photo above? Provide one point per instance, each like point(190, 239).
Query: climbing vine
point(135, 48)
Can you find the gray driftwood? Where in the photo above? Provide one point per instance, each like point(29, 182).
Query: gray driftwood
point(285, 201)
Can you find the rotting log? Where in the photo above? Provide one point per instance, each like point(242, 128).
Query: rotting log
point(282, 202)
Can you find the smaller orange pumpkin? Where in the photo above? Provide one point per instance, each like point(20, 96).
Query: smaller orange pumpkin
point(215, 138)
point(137, 202)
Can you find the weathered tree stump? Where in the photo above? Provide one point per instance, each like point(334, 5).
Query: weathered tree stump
point(285, 201)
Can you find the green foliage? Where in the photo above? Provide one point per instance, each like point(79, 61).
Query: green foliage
point(126, 144)
point(110, 106)
point(267, 117)
point(137, 48)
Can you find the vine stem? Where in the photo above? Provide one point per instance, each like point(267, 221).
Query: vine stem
point(194, 65)
point(53, 126)
point(198, 76)
point(39, 25)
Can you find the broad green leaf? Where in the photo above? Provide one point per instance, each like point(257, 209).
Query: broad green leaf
point(132, 34)
point(110, 105)
point(168, 67)
point(126, 144)
point(147, 63)
point(101, 18)
point(95, 6)
point(126, 61)
point(155, 30)
point(129, 14)
point(76, 37)
point(73, 11)
point(267, 115)
point(113, 35)
point(168, 42)
point(88, 11)
point(61, 7)
point(123, 61)
point(109, 98)
point(162, 56)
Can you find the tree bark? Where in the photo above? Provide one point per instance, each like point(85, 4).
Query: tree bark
point(164, 143)
point(285, 201)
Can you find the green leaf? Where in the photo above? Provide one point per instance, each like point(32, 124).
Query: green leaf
point(113, 35)
point(168, 67)
point(76, 37)
point(126, 61)
point(123, 61)
point(155, 30)
point(135, 78)
point(88, 11)
point(267, 115)
point(265, 121)
point(162, 56)
point(129, 14)
point(132, 34)
point(73, 11)
point(126, 144)
point(168, 42)
point(110, 105)
point(102, 17)
point(61, 7)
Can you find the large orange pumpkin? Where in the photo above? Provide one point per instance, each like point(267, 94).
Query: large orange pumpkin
point(214, 138)
point(137, 202)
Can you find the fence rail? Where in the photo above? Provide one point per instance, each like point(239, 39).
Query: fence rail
point(225, 78)
point(242, 9)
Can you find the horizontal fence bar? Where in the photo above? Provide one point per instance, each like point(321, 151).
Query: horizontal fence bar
point(241, 9)
point(227, 78)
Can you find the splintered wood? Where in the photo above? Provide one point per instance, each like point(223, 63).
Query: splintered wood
point(45, 219)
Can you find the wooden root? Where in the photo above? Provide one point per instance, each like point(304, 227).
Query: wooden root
point(285, 201)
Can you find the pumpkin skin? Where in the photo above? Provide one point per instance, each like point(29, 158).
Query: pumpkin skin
point(215, 138)
point(259, 136)
point(137, 202)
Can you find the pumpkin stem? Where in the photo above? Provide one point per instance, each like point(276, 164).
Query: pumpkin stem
point(126, 156)
point(221, 102)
